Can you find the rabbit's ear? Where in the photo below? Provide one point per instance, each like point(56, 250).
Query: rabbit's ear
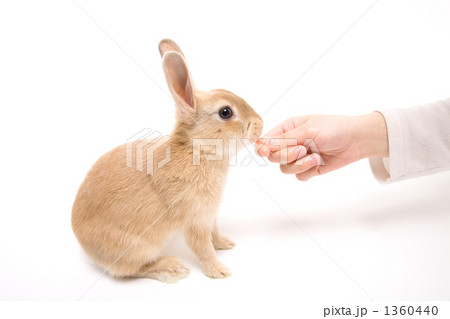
point(166, 45)
point(179, 81)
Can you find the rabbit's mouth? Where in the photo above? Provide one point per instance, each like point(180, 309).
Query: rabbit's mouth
point(254, 130)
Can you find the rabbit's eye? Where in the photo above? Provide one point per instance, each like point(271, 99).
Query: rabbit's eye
point(225, 112)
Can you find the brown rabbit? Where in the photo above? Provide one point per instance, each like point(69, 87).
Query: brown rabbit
point(123, 216)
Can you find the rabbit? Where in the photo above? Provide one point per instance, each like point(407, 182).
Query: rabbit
point(123, 216)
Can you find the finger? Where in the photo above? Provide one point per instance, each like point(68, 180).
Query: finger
point(305, 176)
point(281, 128)
point(287, 155)
point(286, 126)
point(301, 165)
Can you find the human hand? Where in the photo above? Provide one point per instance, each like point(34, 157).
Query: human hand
point(313, 145)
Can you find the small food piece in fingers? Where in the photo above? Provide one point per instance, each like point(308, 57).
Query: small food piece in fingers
point(261, 148)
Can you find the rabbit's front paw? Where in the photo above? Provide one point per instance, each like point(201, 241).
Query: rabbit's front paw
point(216, 270)
point(223, 243)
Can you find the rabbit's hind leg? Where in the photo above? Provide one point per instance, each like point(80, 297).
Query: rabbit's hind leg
point(167, 269)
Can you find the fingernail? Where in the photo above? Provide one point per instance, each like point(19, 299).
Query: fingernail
point(311, 159)
point(306, 160)
point(300, 150)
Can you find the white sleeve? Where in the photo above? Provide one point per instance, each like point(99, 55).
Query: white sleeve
point(419, 142)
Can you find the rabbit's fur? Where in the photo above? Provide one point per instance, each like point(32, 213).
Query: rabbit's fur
point(123, 216)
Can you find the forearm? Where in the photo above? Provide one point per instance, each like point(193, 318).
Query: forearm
point(419, 142)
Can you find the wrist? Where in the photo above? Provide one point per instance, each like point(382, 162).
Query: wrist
point(371, 135)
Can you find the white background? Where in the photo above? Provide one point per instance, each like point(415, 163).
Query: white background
point(71, 89)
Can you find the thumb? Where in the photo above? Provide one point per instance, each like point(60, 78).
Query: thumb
point(287, 125)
